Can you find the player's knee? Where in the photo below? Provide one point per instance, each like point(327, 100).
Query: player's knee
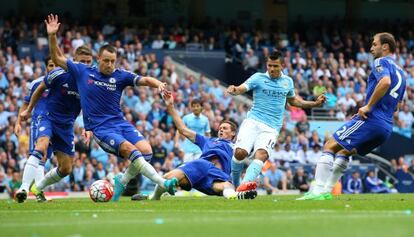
point(262, 155)
point(240, 154)
point(42, 145)
point(65, 169)
point(126, 149)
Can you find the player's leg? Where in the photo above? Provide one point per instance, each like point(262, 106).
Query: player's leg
point(58, 173)
point(226, 189)
point(41, 138)
point(244, 144)
point(145, 148)
point(64, 148)
point(325, 164)
point(263, 145)
point(178, 174)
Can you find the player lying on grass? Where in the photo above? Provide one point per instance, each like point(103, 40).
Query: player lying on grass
point(210, 174)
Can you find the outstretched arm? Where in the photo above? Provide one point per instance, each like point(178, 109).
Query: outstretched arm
point(188, 133)
point(52, 26)
point(299, 102)
point(154, 83)
point(33, 101)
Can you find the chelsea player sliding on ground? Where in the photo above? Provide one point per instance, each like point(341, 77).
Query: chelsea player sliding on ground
point(210, 174)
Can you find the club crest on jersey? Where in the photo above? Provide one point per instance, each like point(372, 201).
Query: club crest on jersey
point(379, 69)
point(285, 85)
point(112, 80)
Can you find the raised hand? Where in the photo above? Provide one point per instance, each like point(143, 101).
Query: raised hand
point(164, 92)
point(52, 24)
point(169, 100)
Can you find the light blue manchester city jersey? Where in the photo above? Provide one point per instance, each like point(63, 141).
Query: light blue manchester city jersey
point(269, 98)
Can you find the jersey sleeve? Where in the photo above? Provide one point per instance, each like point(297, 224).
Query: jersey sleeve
point(291, 92)
point(75, 69)
point(200, 140)
point(31, 89)
point(131, 79)
point(252, 82)
point(52, 77)
point(381, 69)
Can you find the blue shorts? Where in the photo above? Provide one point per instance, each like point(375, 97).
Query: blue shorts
point(361, 135)
point(111, 136)
point(202, 174)
point(34, 134)
point(60, 135)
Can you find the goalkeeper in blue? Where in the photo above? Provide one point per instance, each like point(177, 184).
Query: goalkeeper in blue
point(210, 174)
point(370, 127)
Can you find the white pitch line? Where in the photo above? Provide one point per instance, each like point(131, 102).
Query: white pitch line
point(200, 219)
point(327, 211)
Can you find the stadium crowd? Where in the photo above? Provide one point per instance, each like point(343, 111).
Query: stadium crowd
point(320, 59)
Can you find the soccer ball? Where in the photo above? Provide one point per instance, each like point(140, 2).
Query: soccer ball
point(101, 191)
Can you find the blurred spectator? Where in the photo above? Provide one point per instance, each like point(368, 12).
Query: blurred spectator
point(274, 179)
point(300, 180)
point(374, 184)
point(406, 121)
point(353, 184)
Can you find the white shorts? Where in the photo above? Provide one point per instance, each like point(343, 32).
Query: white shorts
point(191, 156)
point(254, 135)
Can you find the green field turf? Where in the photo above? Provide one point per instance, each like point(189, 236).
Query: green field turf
point(348, 215)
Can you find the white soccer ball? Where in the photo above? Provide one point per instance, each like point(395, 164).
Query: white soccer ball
point(101, 191)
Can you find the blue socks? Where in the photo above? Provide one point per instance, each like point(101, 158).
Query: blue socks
point(253, 171)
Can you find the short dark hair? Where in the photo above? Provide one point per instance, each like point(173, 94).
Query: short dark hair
point(83, 50)
point(387, 38)
point(233, 125)
point(195, 101)
point(275, 55)
point(46, 61)
point(108, 48)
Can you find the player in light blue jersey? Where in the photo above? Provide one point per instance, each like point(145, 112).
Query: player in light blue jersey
point(210, 174)
point(198, 123)
point(100, 90)
point(30, 174)
point(258, 132)
point(370, 127)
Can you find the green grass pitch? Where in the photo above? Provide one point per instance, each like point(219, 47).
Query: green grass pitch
point(348, 215)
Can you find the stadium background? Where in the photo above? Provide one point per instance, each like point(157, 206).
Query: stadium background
point(199, 47)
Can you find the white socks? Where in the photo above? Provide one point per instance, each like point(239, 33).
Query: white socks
point(322, 172)
point(53, 176)
point(158, 191)
point(30, 172)
point(229, 193)
point(147, 170)
point(339, 167)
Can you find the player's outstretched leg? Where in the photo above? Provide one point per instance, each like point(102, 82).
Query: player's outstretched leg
point(29, 174)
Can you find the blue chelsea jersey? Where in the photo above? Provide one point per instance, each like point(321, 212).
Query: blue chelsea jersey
point(100, 94)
